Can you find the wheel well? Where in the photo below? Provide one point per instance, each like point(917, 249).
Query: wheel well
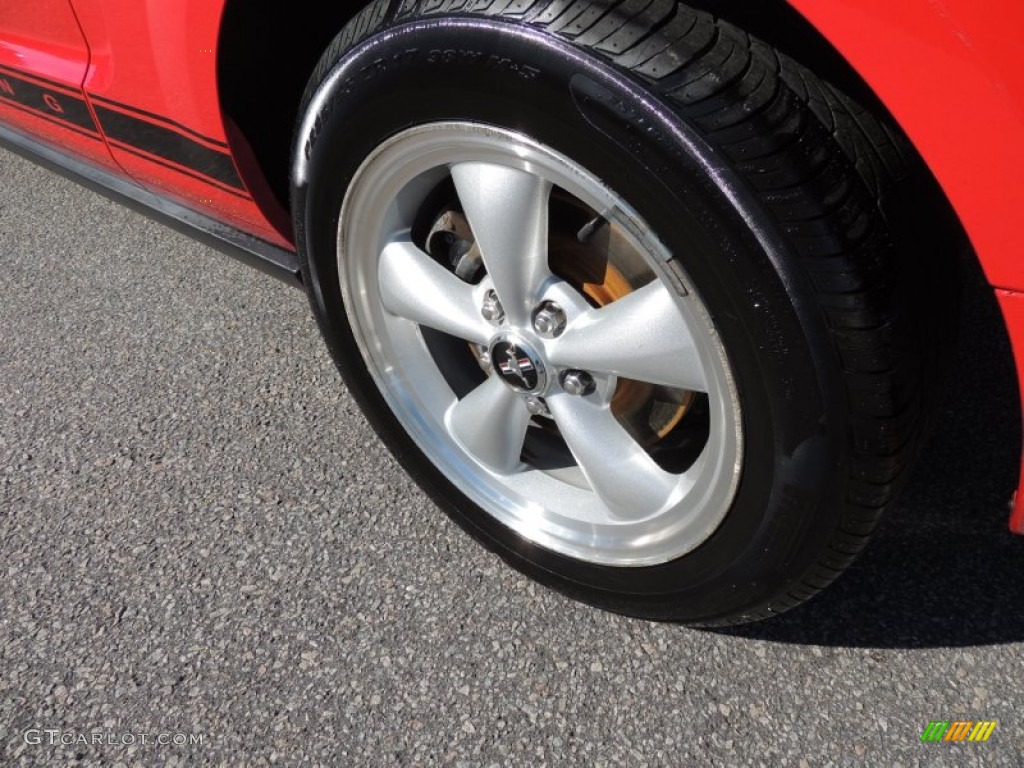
point(266, 54)
point(268, 50)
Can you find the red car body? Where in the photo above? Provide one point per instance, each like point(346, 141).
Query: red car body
point(134, 91)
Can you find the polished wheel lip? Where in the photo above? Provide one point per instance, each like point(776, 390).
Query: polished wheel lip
point(566, 514)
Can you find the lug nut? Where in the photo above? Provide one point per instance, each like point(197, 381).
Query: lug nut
point(578, 383)
point(536, 405)
point(483, 354)
point(492, 309)
point(549, 320)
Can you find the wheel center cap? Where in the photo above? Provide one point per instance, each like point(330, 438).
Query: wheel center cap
point(518, 364)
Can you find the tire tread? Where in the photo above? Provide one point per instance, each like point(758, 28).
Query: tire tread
point(825, 167)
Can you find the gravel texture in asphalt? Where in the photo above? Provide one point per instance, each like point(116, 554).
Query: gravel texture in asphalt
point(201, 539)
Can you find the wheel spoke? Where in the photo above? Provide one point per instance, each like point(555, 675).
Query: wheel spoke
point(508, 212)
point(641, 336)
point(627, 480)
point(490, 423)
point(417, 288)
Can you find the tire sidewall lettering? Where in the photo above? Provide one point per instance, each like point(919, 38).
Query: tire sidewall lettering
point(397, 82)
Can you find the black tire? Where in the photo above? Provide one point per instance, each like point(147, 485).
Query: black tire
point(792, 191)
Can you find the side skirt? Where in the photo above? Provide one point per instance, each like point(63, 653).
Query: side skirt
point(280, 263)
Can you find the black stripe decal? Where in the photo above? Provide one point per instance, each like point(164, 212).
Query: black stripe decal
point(57, 104)
point(159, 118)
point(178, 169)
point(19, 73)
point(87, 134)
point(48, 102)
point(168, 144)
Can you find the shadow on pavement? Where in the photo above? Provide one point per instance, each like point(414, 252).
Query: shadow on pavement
point(942, 569)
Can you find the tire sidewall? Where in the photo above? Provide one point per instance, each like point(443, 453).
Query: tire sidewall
point(789, 497)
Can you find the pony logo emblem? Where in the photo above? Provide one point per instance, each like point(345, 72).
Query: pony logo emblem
point(518, 365)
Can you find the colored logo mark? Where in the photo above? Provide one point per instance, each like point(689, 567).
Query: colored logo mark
point(958, 730)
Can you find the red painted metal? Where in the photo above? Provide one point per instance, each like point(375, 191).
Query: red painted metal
point(158, 60)
point(952, 74)
point(42, 49)
point(43, 37)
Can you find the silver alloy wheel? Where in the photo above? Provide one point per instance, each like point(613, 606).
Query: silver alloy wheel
point(615, 505)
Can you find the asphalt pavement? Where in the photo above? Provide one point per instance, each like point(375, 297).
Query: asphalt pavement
point(207, 557)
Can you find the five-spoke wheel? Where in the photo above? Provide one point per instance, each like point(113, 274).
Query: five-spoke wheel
point(521, 382)
point(628, 294)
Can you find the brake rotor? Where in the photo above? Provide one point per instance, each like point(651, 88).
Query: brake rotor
point(596, 258)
